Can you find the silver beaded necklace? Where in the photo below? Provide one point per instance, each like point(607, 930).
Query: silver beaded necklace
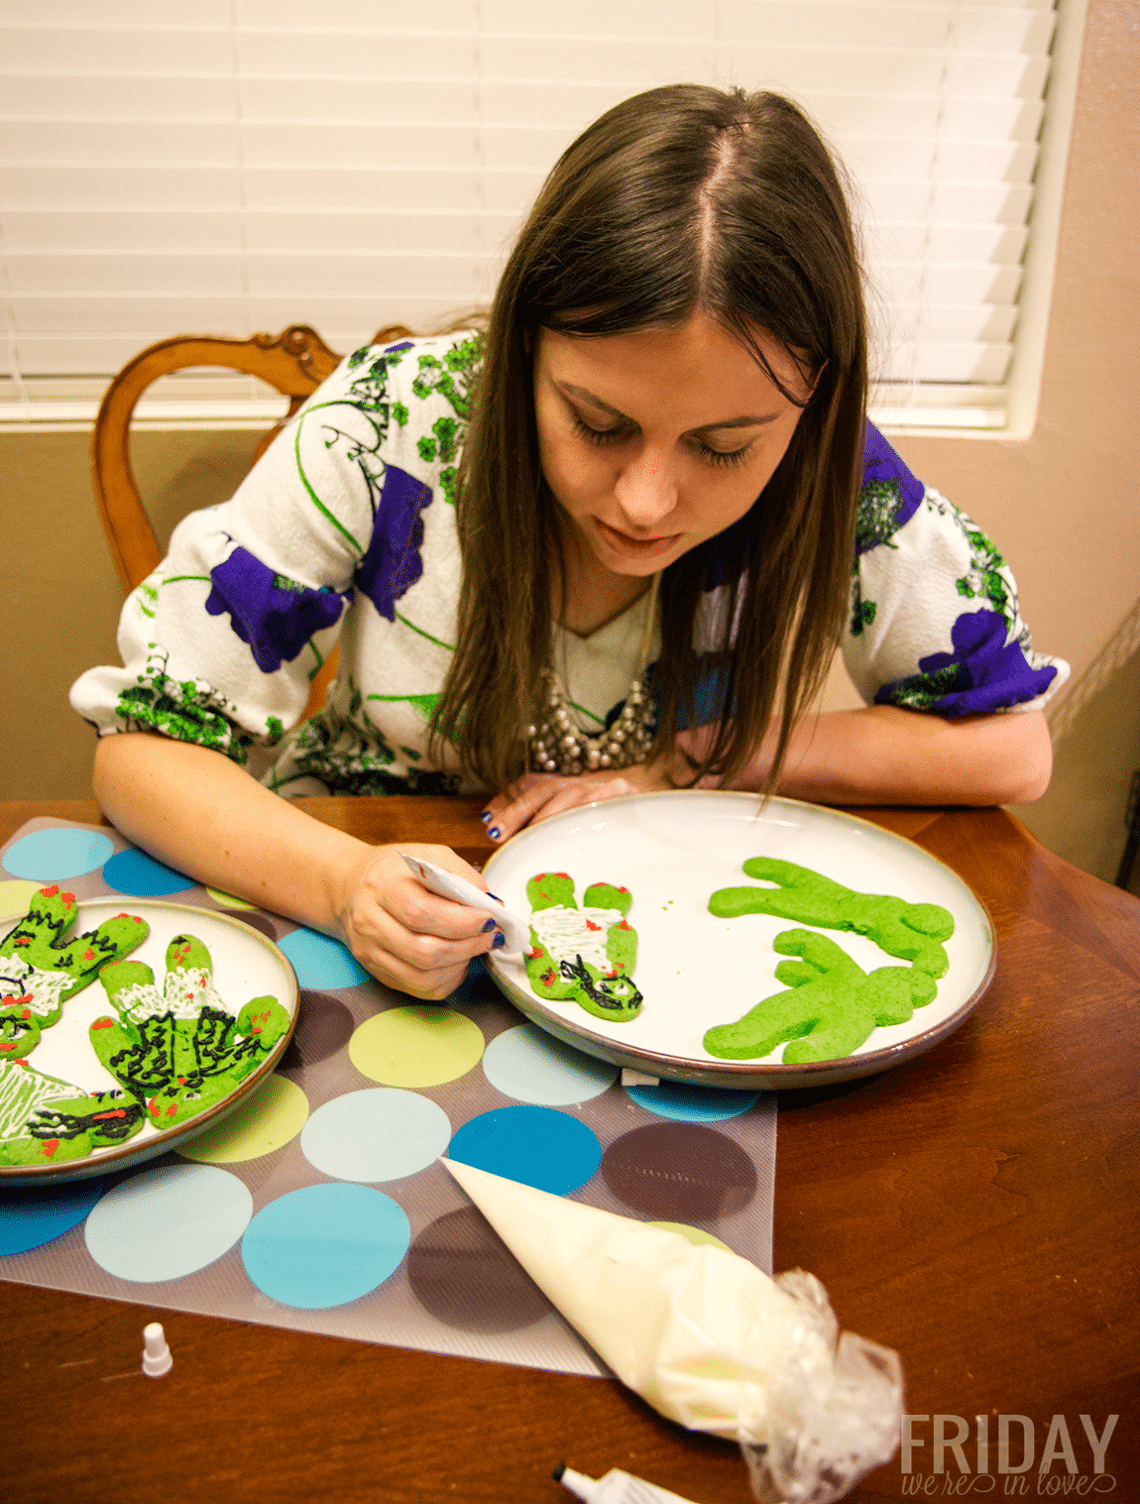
point(556, 745)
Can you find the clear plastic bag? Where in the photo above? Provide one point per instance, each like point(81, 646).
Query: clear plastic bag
point(822, 1425)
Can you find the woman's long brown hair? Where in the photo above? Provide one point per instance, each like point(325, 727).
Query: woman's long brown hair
point(678, 200)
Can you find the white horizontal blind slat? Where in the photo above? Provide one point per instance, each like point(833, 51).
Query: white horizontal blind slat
point(222, 167)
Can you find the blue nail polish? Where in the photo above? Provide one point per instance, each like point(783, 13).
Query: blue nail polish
point(486, 817)
point(490, 925)
point(499, 941)
point(494, 832)
point(495, 896)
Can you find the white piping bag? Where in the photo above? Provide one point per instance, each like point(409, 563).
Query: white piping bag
point(708, 1340)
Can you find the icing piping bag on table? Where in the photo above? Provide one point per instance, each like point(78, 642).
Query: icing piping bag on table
point(708, 1340)
point(450, 885)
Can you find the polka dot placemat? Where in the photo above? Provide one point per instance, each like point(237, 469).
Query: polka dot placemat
point(319, 1201)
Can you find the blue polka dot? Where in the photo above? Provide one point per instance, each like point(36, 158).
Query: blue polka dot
point(538, 1146)
point(325, 1245)
point(379, 1134)
point(167, 1223)
point(31, 1217)
point(693, 1104)
point(320, 961)
point(133, 872)
point(531, 1065)
point(54, 855)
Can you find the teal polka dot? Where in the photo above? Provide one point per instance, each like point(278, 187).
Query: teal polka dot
point(54, 855)
point(141, 876)
point(325, 1245)
point(32, 1216)
point(320, 961)
point(693, 1104)
point(537, 1146)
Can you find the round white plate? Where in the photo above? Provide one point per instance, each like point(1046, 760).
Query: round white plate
point(672, 851)
point(245, 965)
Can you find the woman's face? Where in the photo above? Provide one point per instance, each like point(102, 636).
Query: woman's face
point(652, 442)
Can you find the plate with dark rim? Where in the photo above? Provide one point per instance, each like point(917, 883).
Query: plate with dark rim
point(672, 851)
point(245, 965)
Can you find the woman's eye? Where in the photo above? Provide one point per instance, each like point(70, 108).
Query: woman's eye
point(596, 435)
point(723, 456)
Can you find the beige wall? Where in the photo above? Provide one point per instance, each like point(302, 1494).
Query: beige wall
point(1062, 504)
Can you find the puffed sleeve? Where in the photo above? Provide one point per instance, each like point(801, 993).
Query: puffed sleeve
point(934, 621)
point(221, 642)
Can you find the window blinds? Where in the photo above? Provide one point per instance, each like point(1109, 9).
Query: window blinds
point(227, 166)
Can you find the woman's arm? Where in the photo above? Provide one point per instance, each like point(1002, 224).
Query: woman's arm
point(200, 813)
point(880, 754)
point(875, 755)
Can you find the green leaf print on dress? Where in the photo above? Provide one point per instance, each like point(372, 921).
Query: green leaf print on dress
point(583, 955)
point(186, 711)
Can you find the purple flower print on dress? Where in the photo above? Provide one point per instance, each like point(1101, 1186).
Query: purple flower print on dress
point(889, 496)
point(392, 563)
point(275, 615)
point(983, 673)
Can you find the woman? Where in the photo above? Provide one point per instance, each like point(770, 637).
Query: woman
point(609, 548)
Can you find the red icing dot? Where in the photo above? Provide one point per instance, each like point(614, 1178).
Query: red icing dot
point(172, 1109)
point(152, 1108)
point(50, 1146)
point(549, 978)
point(23, 940)
point(624, 925)
point(89, 955)
point(101, 1117)
point(5, 1048)
point(590, 925)
point(69, 898)
point(49, 892)
point(103, 1023)
point(566, 875)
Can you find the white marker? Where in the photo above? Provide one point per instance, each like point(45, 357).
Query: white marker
point(450, 885)
point(615, 1488)
point(156, 1359)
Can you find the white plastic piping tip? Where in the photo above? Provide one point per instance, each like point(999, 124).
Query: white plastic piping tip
point(156, 1359)
point(450, 885)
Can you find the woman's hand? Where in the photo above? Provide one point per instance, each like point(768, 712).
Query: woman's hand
point(537, 796)
point(409, 938)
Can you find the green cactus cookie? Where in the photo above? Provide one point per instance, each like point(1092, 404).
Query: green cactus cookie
point(912, 931)
point(47, 1121)
point(40, 970)
point(584, 955)
point(830, 1007)
point(180, 1049)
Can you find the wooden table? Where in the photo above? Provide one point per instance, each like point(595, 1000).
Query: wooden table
point(975, 1209)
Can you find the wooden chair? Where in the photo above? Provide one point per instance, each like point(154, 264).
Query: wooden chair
point(295, 362)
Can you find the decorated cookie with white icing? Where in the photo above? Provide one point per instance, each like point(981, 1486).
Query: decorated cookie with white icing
point(584, 955)
point(178, 1048)
point(40, 969)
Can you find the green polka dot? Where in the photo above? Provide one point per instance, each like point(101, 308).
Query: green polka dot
point(16, 895)
point(228, 901)
point(694, 1234)
point(269, 1117)
point(420, 1045)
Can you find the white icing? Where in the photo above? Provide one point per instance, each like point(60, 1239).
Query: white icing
point(565, 933)
point(22, 1091)
point(20, 978)
point(185, 993)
